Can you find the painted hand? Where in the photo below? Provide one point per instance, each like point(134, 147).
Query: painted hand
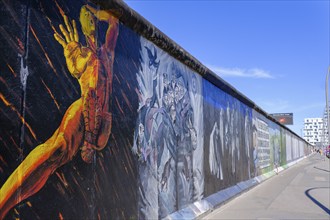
point(70, 33)
point(69, 39)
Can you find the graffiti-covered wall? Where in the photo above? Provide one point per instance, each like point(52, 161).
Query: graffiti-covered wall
point(103, 117)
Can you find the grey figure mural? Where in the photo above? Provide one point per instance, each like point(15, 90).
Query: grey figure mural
point(166, 134)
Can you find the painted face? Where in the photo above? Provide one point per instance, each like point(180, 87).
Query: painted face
point(87, 21)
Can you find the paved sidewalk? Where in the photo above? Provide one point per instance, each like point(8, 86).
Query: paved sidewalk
point(300, 192)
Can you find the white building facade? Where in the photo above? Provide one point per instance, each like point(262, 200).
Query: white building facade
point(316, 131)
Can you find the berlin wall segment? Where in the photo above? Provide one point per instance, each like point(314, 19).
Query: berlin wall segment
point(99, 121)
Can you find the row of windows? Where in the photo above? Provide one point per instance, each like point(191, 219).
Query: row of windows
point(313, 140)
point(315, 124)
point(315, 130)
point(311, 127)
point(315, 121)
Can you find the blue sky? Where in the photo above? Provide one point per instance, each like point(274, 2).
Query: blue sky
point(274, 52)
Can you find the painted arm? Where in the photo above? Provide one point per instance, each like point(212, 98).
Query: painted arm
point(112, 31)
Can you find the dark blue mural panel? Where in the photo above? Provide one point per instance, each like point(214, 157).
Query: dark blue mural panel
point(228, 143)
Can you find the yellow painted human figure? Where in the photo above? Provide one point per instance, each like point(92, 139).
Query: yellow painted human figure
point(86, 124)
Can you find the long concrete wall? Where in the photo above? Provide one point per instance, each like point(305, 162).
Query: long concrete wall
point(104, 117)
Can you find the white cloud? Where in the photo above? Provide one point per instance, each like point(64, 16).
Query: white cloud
point(238, 72)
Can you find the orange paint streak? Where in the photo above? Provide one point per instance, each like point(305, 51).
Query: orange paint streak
point(4, 100)
point(121, 110)
point(3, 81)
point(17, 97)
point(128, 159)
point(51, 24)
point(115, 144)
point(29, 204)
point(129, 87)
point(18, 114)
point(139, 94)
point(102, 167)
point(126, 100)
point(42, 48)
point(126, 169)
point(116, 78)
point(60, 216)
point(51, 95)
point(11, 70)
point(75, 181)
point(15, 144)
point(48, 19)
point(3, 161)
point(62, 179)
point(59, 8)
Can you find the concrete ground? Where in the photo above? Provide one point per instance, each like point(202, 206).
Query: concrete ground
point(300, 192)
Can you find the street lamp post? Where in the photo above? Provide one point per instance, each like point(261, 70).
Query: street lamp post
point(323, 129)
point(327, 103)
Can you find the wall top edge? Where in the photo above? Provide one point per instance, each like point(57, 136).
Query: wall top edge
point(139, 24)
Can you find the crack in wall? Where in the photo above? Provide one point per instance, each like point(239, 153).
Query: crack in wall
point(24, 73)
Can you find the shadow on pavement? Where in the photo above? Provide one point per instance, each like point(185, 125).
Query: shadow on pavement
point(322, 169)
point(307, 193)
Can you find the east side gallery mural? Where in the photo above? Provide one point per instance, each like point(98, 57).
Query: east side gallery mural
point(97, 122)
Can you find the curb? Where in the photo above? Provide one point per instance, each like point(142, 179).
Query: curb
point(207, 205)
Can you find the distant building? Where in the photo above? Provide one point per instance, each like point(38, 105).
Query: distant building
point(316, 131)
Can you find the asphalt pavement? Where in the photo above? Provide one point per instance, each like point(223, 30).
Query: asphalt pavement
point(300, 192)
